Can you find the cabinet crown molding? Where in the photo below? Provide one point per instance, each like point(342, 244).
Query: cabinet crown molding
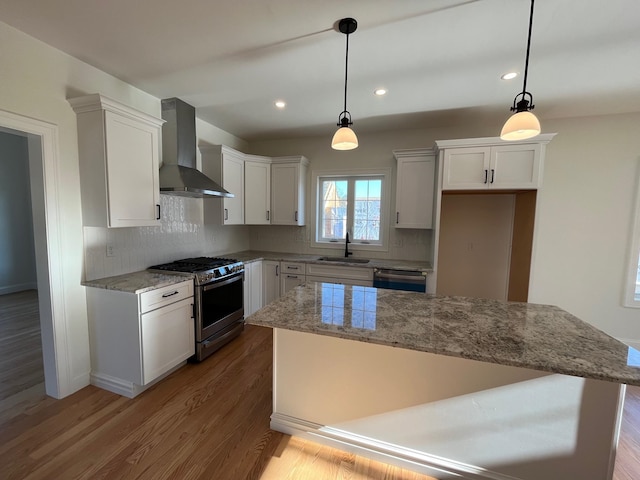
point(541, 139)
point(413, 152)
point(97, 101)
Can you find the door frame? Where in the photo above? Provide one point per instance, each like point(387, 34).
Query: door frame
point(44, 174)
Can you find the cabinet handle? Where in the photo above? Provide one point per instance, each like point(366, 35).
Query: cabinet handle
point(158, 217)
point(486, 175)
point(289, 267)
point(226, 213)
point(492, 174)
point(268, 216)
point(295, 217)
point(397, 217)
point(277, 270)
point(170, 294)
point(292, 276)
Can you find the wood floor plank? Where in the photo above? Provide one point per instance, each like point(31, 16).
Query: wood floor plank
point(205, 421)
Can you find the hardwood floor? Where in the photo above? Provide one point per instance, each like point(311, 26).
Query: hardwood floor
point(21, 371)
point(206, 421)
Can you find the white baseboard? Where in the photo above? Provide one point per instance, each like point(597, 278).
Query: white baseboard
point(124, 387)
point(432, 465)
point(18, 288)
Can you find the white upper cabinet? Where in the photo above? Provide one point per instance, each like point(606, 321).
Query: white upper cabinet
point(490, 163)
point(415, 184)
point(119, 149)
point(225, 166)
point(257, 190)
point(288, 188)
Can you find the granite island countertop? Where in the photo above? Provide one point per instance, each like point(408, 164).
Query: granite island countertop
point(538, 337)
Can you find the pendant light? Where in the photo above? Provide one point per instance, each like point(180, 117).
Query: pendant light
point(345, 138)
point(523, 124)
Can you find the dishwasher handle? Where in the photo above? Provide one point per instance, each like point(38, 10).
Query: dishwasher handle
point(409, 275)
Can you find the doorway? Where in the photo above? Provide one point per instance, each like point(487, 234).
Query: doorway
point(21, 370)
point(44, 170)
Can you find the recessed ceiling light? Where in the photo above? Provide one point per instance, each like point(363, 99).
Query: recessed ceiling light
point(380, 91)
point(509, 76)
point(280, 104)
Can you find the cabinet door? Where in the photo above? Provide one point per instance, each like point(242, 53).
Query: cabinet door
point(233, 182)
point(252, 287)
point(285, 185)
point(466, 168)
point(132, 157)
point(270, 281)
point(290, 281)
point(257, 182)
point(414, 192)
point(167, 338)
point(515, 166)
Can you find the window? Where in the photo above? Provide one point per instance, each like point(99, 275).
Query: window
point(632, 288)
point(354, 203)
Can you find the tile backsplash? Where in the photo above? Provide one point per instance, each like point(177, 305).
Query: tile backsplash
point(182, 234)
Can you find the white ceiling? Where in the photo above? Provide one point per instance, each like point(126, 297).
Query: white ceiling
point(438, 58)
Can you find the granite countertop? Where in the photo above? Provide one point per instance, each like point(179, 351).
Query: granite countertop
point(539, 337)
point(249, 256)
point(143, 281)
point(137, 282)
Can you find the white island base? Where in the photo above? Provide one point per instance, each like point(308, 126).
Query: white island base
point(444, 416)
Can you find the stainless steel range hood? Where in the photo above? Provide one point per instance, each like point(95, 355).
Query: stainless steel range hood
point(178, 174)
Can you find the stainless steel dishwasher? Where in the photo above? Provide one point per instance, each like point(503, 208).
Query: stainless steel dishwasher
point(400, 279)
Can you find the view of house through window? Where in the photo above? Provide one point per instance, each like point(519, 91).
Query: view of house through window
point(353, 204)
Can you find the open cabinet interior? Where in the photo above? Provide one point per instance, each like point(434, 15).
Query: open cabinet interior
point(485, 244)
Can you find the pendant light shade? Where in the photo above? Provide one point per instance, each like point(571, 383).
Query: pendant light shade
point(520, 126)
point(523, 124)
point(345, 138)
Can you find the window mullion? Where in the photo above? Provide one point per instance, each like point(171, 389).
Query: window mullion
point(351, 196)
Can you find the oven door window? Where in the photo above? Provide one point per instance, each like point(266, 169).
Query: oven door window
point(222, 300)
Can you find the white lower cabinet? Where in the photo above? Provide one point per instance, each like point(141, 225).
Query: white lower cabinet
point(293, 274)
point(252, 287)
point(270, 281)
point(340, 274)
point(138, 338)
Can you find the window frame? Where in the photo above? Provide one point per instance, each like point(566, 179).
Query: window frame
point(630, 298)
point(361, 174)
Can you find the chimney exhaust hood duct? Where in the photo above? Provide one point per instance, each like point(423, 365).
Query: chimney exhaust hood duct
point(178, 174)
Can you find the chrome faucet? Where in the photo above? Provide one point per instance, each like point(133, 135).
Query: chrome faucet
point(346, 247)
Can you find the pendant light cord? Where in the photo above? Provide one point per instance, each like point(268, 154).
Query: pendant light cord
point(346, 68)
point(526, 62)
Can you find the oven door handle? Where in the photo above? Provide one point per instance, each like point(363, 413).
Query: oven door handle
point(226, 281)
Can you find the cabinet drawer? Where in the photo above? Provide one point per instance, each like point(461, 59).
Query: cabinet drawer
point(166, 295)
point(293, 268)
point(349, 273)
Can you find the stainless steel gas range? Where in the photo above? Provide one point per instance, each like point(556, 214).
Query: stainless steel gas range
point(218, 299)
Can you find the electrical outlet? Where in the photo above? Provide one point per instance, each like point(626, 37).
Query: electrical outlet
point(111, 250)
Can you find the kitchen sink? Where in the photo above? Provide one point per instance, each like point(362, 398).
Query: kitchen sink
point(344, 259)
